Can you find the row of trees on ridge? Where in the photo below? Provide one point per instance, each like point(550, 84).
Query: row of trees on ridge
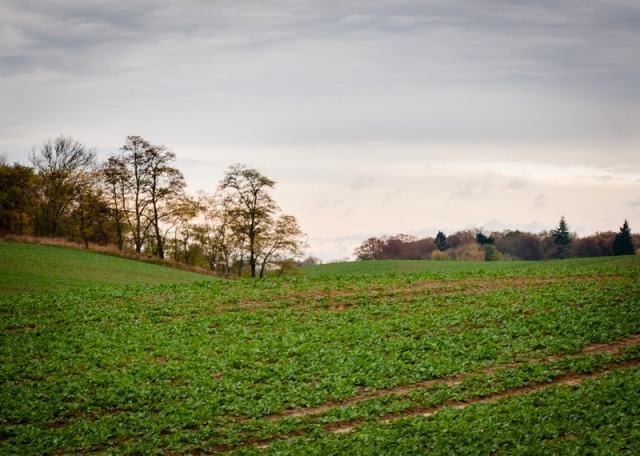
point(477, 245)
point(137, 200)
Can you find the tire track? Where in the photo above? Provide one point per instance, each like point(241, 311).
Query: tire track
point(334, 299)
point(570, 379)
point(610, 348)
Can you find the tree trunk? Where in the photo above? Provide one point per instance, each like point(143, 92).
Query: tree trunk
point(252, 263)
point(119, 235)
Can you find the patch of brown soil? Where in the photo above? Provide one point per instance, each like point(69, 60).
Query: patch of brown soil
point(27, 327)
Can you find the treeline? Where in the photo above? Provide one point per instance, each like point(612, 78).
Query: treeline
point(137, 201)
point(476, 245)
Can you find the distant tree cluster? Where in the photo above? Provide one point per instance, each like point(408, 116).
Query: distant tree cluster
point(475, 245)
point(137, 200)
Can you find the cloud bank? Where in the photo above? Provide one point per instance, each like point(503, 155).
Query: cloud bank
point(372, 116)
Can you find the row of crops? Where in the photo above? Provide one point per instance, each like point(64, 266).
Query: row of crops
point(328, 365)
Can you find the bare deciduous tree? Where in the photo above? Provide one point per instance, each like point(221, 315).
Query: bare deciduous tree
point(134, 156)
point(165, 188)
point(154, 189)
point(221, 247)
point(116, 179)
point(282, 241)
point(59, 164)
point(250, 206)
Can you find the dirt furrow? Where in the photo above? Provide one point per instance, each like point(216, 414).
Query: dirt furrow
point(610, 348)
point(571, 379)
point(334, 300)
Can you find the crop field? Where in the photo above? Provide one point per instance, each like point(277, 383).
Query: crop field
point(402, 266)
point(537, 358)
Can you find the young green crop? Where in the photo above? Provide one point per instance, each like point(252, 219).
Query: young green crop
point(208, 365)
point(597, 417)
point(405, 266)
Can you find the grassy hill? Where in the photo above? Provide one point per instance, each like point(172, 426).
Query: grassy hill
point(33, 267)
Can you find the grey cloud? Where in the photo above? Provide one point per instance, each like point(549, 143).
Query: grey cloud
point(474, 189)
point(539, 201)
point(71, 25)
point(499, 37)
point(516, 183)
point(494, 36)
point(15, 64)
point(285, 70)
point(361, 183)
point(356, 19)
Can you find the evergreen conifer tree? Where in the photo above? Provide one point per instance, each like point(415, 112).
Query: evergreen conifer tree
point(562, 239)
point(623, 244)
point(441, 241)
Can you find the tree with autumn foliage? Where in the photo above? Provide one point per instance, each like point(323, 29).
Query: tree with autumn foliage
point(145, 191)
point(61, 166)
point(253, 215)
point(17, 195)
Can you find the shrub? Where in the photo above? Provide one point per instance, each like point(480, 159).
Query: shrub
point(439, 255)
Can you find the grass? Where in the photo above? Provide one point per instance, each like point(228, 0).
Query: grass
point(34, 268)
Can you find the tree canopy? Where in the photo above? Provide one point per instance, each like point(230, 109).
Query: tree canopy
point(505, 245)
point(137, 200)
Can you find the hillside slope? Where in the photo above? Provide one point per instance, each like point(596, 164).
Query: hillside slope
point(34, 267)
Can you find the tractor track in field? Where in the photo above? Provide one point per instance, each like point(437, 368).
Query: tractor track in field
point(335, 299)
point(341, 300)
point(611, 348)
point(568, 379)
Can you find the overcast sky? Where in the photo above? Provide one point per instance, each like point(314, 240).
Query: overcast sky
point(374, 117)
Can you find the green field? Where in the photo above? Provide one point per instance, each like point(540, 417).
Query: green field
point(536, 358)
point(30, 268)
point(401, 266)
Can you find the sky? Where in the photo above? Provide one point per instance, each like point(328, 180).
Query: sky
point(374, 117)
